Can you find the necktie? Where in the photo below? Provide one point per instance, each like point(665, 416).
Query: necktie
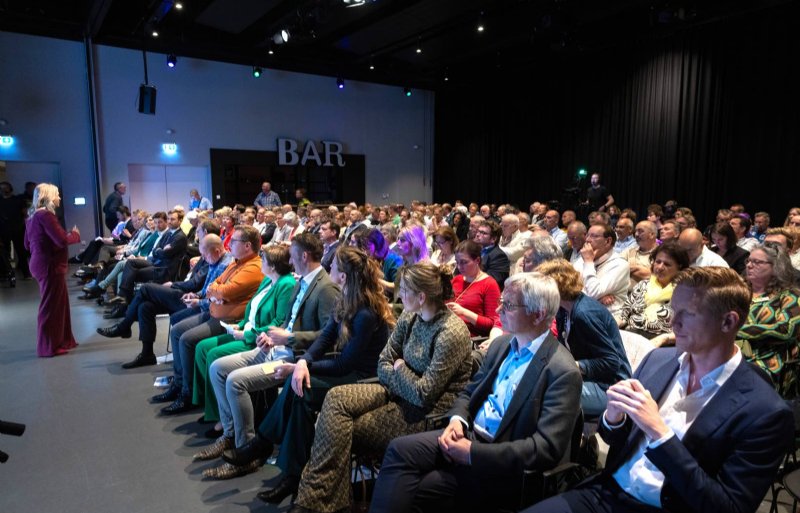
point(296, 305)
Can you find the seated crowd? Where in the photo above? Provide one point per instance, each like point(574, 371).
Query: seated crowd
point(324, 333)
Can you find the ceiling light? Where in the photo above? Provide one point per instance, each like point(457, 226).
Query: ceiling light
point(480, 27)
point(155, 34)
point(419, 50)
point(281, 37)
point(178, 6)
point(371, 66)
point(256, 71)
point(340, 83)
point(172, 60)
point(407, 91)
point(354, 3)
point(271, 51)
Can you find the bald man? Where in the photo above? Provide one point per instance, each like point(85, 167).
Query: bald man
point(638, 257)
point(691, 239)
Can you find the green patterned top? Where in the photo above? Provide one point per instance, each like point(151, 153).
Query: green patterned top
point(770, 337)
point(438, 360)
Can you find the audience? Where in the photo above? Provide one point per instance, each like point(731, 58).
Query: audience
point(422, 368)
point(517, 414)
point(234, 334)
point(267, 308)
point(696, 429)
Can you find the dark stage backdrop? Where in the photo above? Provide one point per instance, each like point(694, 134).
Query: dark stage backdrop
point(709, 116)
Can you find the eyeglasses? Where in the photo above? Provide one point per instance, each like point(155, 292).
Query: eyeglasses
point(508, 306)
point(238, 240)
point(756, 262)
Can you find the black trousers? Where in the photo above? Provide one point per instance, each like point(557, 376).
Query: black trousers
point(150, 300)
point(415, 476)
point(15, 234)
point(601, 494)
point(135, 270)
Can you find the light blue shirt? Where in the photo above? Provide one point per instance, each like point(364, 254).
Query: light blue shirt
point(489, 417)
point(304, 283)
point(624, 244)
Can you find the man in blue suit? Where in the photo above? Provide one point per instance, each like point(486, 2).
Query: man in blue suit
point(697, 429)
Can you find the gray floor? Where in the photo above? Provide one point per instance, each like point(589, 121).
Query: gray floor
point(93, 441)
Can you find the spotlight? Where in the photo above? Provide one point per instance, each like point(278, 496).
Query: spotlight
point(371, 66)
point(354, 3)
point(419, 50)
point(407, 91)
point(178, 6)
point(155, 33)
point(271, 51)
point(281, 37)
point(340, 83)
point(581, 173)
point(480, 26)
point(172, 60)
point(256, 71)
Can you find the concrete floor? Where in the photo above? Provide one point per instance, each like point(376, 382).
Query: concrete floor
point(93, 441)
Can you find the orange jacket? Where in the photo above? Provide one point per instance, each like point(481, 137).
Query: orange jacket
point(230, 292)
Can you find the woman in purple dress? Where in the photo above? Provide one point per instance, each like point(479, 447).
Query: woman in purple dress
point(47, 242)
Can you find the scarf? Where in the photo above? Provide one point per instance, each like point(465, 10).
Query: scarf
point(655, 296)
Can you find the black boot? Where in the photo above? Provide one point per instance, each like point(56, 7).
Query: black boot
point(172, 393)
point(140, 361)
point(256, 448)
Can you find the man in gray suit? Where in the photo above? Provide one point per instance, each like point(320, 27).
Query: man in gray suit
point(517, 414)
point(312, 302)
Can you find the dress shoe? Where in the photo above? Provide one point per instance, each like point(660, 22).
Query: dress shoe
point(287, 487)
point(214, 450)
point(92, 291)
point(256, 448)
point(172, 393)
point(228, 471)
point(116, 331)
point(140, 361)
point(180, 405)
point(117, 313)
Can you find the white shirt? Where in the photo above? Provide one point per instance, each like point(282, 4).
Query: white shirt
point(254, 304)
point(515, 247)
point(709, 259)
point(638, 476)
point(608, 275)
point(747, 243)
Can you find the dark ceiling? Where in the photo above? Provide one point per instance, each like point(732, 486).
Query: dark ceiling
point(329, 37)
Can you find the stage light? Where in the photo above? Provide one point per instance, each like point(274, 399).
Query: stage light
point(371, 66)
point(155, 33)
point(178, 6)
point(281, 37)
point(582, 173)
point(407, 91)
point(419, 50)
point(354, 3)
point(271, 51)
point(340, 83)
point(172, 60)
point(256, 71)
point(480, 26)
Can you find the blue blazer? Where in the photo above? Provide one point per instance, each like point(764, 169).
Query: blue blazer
point(728, 457)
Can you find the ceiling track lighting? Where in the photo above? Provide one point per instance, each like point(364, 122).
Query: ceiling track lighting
point(340, 83)
point(256, 71)
point(172, 60)
point(281, 37)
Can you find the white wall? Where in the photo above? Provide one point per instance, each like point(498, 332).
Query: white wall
point(43, 95)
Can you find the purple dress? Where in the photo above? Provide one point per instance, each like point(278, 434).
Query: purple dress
point(47, 242)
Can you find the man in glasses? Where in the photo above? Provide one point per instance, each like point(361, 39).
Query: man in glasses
point(517, 414)
point(494, 261)
point(227, 299)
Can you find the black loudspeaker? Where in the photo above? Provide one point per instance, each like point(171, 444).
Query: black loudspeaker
point(147, 99)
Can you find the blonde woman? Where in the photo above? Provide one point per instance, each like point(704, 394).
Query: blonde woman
point(47, 242)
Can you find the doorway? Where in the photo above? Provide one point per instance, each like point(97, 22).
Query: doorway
point(159, 188)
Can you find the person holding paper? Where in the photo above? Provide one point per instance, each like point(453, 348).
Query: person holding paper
point(266, 309)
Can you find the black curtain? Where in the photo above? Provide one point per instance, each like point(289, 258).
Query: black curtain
point(709, 116)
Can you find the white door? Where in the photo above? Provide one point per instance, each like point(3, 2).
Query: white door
point(157, 187)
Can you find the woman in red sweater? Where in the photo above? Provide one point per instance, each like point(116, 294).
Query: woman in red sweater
point(475, 298)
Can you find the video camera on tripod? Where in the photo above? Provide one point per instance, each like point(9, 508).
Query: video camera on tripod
point(10, 428)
